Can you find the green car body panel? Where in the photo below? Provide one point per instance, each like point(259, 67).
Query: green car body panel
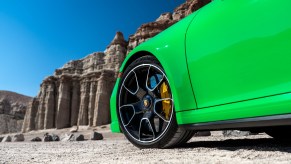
point(229, 60)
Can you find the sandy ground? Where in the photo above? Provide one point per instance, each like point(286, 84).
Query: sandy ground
point(116, 149)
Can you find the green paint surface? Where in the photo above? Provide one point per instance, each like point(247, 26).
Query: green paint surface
point(229, 60)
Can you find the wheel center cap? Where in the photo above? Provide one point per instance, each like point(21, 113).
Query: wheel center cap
point(146, 103)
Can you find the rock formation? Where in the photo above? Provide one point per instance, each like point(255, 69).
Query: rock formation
point(12, 110)
point(79, 92)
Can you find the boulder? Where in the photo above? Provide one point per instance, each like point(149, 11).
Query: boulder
point(80, 137)
point(73, 137)
point(18, 138)
point(47, 138)
point(36, 139)
point(96, 136)
point(6, 139)
point(55, 137)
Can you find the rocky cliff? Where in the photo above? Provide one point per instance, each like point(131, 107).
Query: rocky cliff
point(12, 110)
point(79, 92)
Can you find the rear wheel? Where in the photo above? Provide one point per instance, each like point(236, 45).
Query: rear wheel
point(146, 106)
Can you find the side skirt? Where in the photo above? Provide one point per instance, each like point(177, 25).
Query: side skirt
point(257, 122)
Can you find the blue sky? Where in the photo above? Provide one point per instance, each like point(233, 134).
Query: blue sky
point(38, 36)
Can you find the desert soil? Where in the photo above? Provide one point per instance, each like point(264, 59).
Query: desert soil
point(116, 149)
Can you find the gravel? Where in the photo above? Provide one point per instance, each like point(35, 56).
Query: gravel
point(116, 149)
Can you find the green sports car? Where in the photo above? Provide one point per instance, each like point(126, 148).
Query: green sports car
point(226, 66)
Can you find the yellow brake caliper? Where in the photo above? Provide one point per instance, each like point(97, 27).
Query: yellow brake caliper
point(166, 103)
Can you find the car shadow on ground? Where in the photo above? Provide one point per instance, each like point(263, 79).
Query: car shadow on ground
point(262, 144)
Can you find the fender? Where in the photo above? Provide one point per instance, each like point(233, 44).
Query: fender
point(174, 64)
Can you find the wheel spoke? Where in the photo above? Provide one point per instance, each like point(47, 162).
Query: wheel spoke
point(159, 113)
point(135, 108)
point(150, 117)
point(153, 126)
point(146, 126)
point(140, 93)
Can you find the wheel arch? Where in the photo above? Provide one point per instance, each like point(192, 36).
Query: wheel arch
point(179, 80)
point(135, 56)
point(168, 47)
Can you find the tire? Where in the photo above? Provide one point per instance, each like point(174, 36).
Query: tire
point(281, 134)
point(145, 106)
